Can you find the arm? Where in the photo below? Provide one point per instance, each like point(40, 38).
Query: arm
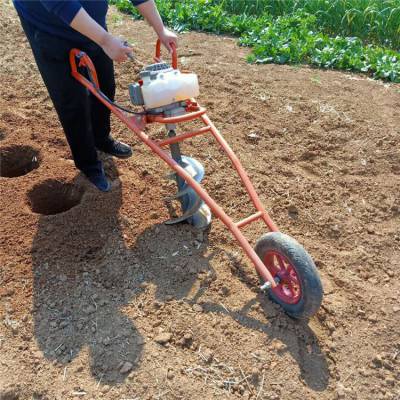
point(112, 46)
point(150, 13)
point(74, 15)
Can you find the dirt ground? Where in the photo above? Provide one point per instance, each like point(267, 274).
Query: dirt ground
point(101, 300)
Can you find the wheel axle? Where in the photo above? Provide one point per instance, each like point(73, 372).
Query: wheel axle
point(268, 285)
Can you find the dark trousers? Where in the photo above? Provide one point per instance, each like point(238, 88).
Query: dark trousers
point(86, 121)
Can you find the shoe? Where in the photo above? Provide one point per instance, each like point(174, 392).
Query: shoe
point(99, 180)
point(116, 149)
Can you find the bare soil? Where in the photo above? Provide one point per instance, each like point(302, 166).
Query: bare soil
point(100, 300)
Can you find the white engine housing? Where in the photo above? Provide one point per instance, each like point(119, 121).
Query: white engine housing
point(163, 85)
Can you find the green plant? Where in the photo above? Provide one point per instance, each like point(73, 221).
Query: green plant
point(315, 32)
point(376, 21)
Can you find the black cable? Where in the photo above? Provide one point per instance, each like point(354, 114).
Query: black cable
point(117, 105)
point(102, 95)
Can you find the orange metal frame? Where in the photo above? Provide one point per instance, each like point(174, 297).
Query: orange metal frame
point(193, 111)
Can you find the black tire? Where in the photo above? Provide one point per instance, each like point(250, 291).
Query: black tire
point(309, 298)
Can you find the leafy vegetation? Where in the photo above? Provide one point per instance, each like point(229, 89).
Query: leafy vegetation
point(375, 21)
point(299, 31)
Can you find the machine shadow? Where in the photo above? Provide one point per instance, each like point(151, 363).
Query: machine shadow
point(296, 335)
point(84, 275)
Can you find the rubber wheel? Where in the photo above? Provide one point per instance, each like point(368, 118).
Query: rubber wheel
point(299, 291)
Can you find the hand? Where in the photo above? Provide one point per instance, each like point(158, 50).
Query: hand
point(116, 48)
point(167, 37)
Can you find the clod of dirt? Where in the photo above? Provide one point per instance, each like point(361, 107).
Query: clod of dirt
point(126, 367)
point(253, 137)
point(170, 374)
point(207, 355)
point(105, 389)
point(377, 361)
point(340, 391)
point(278, 346)
point(186, 340)
point(224, 291)
point(335, 232)
point(197, 308)
point(293, 211)
point(53, 197)
point(18, 160)
point(163, 338)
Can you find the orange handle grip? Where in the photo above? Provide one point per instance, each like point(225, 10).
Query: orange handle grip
point(84, 61)
point(174, 54)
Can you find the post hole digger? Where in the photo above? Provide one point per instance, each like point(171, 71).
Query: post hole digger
point(286, 270)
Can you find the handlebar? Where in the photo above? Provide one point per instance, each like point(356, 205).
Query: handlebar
point(174, 54)
point(84, 61)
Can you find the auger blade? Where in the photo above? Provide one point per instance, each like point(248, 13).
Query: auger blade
point(188, 213)
point(195, 211)
point(194, 169)
point(171, 176)
point(180, 194)
point(202, 219)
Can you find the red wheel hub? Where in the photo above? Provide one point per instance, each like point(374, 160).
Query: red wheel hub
point(289, 287)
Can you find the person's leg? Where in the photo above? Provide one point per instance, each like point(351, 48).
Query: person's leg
point(69, 97)
point(100, 114)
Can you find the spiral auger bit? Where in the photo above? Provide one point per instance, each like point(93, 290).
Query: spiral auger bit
point(195, 211)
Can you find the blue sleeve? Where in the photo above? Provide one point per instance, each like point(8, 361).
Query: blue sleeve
point(64, 9)
point(138, 2)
